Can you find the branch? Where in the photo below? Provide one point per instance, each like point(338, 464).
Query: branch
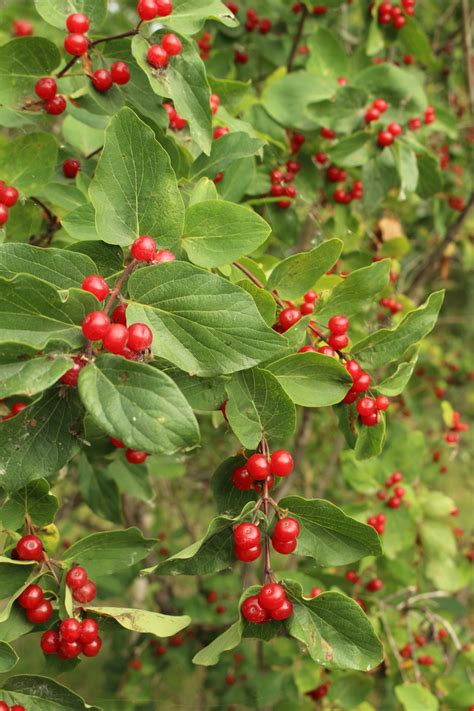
point(297, 38)
point(74, 59)
point(469, 56)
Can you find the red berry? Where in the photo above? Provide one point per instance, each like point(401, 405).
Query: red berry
point(382, 402)
point(271, 596)
point(117, 443)
point(281, 463)
point(384, 139)
point(327, 351)
point(17, 407)
point(76, 577)
point(246, 535)
point(147, 10)
point(78, 23)
point(284, 547)
point(338, 342)
point(49, 642)
point(395, 129)
point(396, 477)
point(29, 548)
point(171, 44)
point(308, 349)
point(353, 368)
point(366, 406)
point(76, 44)
point(219, 132)
point(22, 28)
point(71, 168)
point(140, 337)
point(96, 285)
point(46, 88)
point(362, 383)
point(116, 338)
point(306, 309)
point(215, 103)
point(327, 133)
point(351, 397)
point(119, 315)
point(89, 630)
point(314, 592)
point(283, 612)
point(321, 158)
point(338, 324)
point(425, 661)
point(374, 585)
point(370, 420)
point(135, 456)
point(164, 255)
point(165, 7)
point(399, 491)
point(8, 195)
point(286, 529)
point(288, 317)
point(352, 577)
point(55, 106)
point(394, 503)
point(252, 611)
point(247, 555)
point(70, 629)
point(241, 479)
point(31, 597)
point(95, 325)
point(102, 80)
point(69, 650)
point(120, 73)
point(311, 296)
point(86, 593)
point(371, 114)
point(414, 123)
point(398, 22)
point(258, 466)
point(3, 214)
point(41, 613)
point(157, 56)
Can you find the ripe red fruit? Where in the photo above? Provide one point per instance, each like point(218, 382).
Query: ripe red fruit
point(46, 88)
point(17, 407)
point(76, 44)
point(338, 324)
point(271, 596)
point(102, 80)
point(396, 477)
point(31, 597)
point(116, 338)
point(89, 630)
point(214, 101)
point(283, 612)
point(96, 285)
point(69, 650)
point(327, 133)
point(22, 28)
point(258, 466)
point(165, 7)
point(95, 325)
point(29, 548)
point(315, 591)
point(252, 611)
point(284, 547)
point(76, 577)
point(370, 420)
point(70, 629)
point(246, 535)
point(8, 195)
point(71, 168)
point(241, 479)
point(366, 406)
point(384, 139)
point(136, 456)
point(352, 577)
point(140, 337)
point(286, 529)
point(414, 123)
point(281, 463)
point(147, 10)
point(117, 443)
point(288, 317)
point(425, 660)
point(308, 349)
point(311, 296)
point(55, 106)
point(398, 22)
point(3, 214)
point(164, 255)
point(220, 131)
point(362, 383)
point(374, 585)
point(86, 593)
point(119, 315)
point(49, 642)
point(399, 491)
point(77, 22)
point(338, 342)
point(394, 503)
point(382, 402)
point(144, 249)
point(157, 56)
point(306, 309)
point(171, 44)
point(395, 129)
point(353, 368)
point(41, 613)
point(247, 555)
point(321, 158)
point(120, 73)
point(371, 114)
point(327, 351)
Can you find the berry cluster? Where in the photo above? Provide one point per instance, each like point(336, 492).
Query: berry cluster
point(8, 198)
point(281, 180)
point(253, 22)
point(456, 202)
point(204, 44)
point(387, 136)
point(76, 43)
point(284, 536)
point(53, 103)
point(270, 604)
point(453, 436)
point(158, 54)
point(391, 304)
point(258, 469)
point(37, 608)
point(395, 501)
point(377, 521)
point(368, 408)
point(15, 707)
point(175, 121)
point(339, 175)
point(103, 79)
point(247, 546)
point(395, 14)
point(414, 124)
point(296, 142)
point(151, 9)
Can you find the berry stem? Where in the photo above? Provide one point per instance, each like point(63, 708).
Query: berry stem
point(120, 282)
point(297, 38)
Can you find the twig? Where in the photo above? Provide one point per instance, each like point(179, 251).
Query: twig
point(120, 281)
point(94, 153)
point(469, 57)
point(53, 225)
point(297, 38)
point(422, 596)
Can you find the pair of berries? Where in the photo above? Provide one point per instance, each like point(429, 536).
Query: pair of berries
point(271, 603)
point(8, 198)
point(374, 112)
point(247, 546)
point(15, 707)
point(377, 522)
point(47, 90)
point(395, 501)
point(292, 314)
point(204, 44)
point(133, 456)
point(258, 469)
point(352, 577)
point(150, 9)
point(116, 338)
point(76, 43)
point(103, 79)
point(158, 54)
point(74, 637)
point(369, 409)
point(456, 202)
point(175, 121)
point(253, 22)
point(281, 190)
point(296, 141)
point(391, 304)
point(387, 136)
point(37, 608)
point(338, 327)
point(284, 536)
point(83, 590)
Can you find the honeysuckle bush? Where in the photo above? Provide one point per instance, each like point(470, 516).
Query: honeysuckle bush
point(228, 234)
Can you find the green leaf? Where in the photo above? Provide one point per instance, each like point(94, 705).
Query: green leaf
point(227, 497)
point(15, 626)
point(295, 275)
point(29, 377)
point(138, 404)
point(335, 630)
point(287, 99)
point(206, 394)
point(109, 552)
point(201, 322)
point(56, 11)
point(58, 267)
point(375, 39)
point(40, 440)
point(311, 379)
point(351, 151)
point(356, 291)
point(394, 84)
point(226, 641)
point(224, 153)
point(143, 621)
point(8, 658)
point(108, 258)
point(22, 62)
point(407, 165)
point(387, 345)
point(396, 383)
point(134, 189)
point(99, 492)
point(415, 41)
point(370, 440)
point(327, 56)
point(131, 479)
point(184, 81)
point(430, 180)
point(212, 553)
point(80, 223)
point(42, 694)
point(434, 504)
point(28, 162)
point(379, 176)
point(416, 697)
point(328, 535)
point(188, 16)
point(217, 232)
point(259, 407)
point(34, 314)
point(350, 690)
point(35, 500)
point(264, 301)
